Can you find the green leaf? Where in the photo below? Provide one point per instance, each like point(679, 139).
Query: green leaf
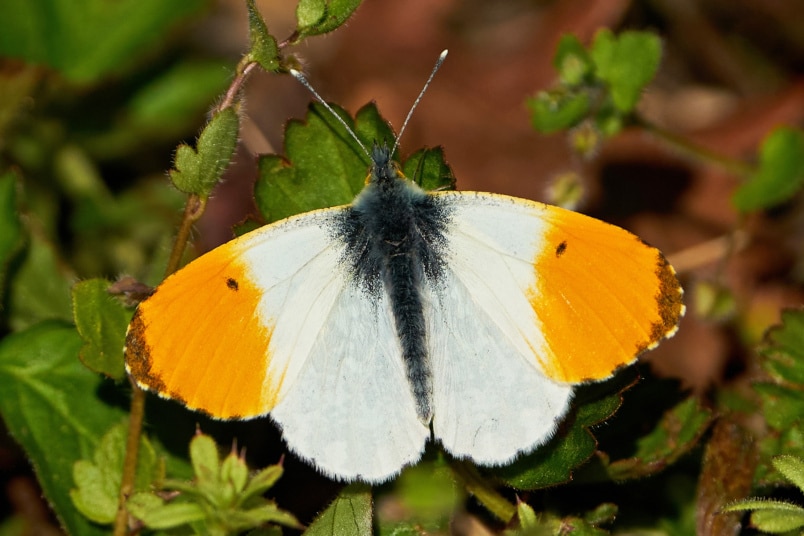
point(783, 351)
point(316, 17)
point(527, 517)
point(96, 497)
point(88, 39)
point(222, 497)
point(371, 127)
point(324, 167)
point(267, 513)
point(429, 496)
point(714, 301)
point(310, 12)
point(554, 462)
point(102, 322)
point(78, 175)
point(206, 466)
point(165, 107)
point(234, 472)
point(98, 481)
point(139, 503)
point(39, 288)
point(542, 524)
point(155, 514)
point(548, 524)
point(428, 491)
point(783, 407)
point(762, 504)
point(770, 516)
point(262, 481)
point(198, 172)
point(782, 400)
point(677, 432)
point(785, 441)
point(349, 513)
point(778, 522)
point(52, 406)
point(780, 173)
point(626, 63)
point(177, 96)
point(183, 486)
point(551, 111)
point(429, 169)
point(264, 49)
point(608, 121)
point(604, 513)
point(11, 239)
point(572, 61)
point(792, 467)
point(16, 86)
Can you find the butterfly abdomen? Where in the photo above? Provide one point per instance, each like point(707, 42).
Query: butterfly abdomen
point(394, 240)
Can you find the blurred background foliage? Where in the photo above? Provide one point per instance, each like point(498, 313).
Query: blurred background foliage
point(96, 95)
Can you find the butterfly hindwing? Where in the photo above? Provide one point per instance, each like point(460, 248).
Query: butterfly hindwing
point(351, 408)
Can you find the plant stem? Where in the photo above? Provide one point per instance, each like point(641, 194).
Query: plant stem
point(483, 492)
point(193, 210)
point(132, 453)
point(695, 151)
point(709, 252)
point(234, 88)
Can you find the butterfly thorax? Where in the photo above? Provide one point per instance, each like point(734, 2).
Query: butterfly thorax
point(394, 238)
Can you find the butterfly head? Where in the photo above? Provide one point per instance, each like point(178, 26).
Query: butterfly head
point(383, 169)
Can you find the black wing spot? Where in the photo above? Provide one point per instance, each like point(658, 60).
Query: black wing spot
point(561, 248)
point(232, 284)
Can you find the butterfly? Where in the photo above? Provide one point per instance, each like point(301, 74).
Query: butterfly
point(365, 330)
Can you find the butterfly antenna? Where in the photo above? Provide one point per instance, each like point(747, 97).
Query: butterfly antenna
point(300, 77)
point(437, 65)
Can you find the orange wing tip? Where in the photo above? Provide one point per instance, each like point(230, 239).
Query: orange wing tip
point(605, 346)
point(137, 354)
point(178, 349)
point(670, 300)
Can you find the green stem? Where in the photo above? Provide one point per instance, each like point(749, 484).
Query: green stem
point(695, 151)
point(292, 39)
point(484, 491)
point(132, 453)
point(193, 210)
point(243, 70)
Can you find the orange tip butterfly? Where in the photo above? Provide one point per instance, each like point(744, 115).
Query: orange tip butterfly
point(364, 330)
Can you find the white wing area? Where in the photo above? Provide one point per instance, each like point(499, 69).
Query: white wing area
point(344, 400)
point(491, 401)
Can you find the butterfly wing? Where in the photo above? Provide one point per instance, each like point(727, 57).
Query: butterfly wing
point(268, 323)
point(351, 409)
point(534, 299)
